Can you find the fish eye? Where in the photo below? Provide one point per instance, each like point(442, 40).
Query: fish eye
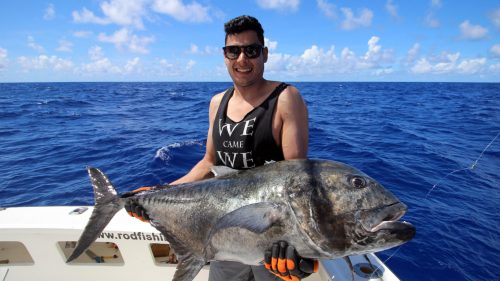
point(358, 182)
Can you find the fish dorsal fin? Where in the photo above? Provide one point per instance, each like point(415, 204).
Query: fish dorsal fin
point(187, 268)
point(222, 170)
point(257, 217)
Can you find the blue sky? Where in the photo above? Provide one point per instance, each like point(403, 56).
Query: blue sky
point(181, 40)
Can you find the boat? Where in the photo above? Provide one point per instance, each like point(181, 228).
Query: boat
point(36, 241)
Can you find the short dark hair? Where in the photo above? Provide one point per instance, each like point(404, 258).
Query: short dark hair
point(244, 23)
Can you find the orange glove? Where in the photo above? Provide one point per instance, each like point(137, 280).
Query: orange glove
point(133, 209)
point(283, 261)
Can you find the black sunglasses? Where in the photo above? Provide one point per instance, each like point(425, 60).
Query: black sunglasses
point(251, 51)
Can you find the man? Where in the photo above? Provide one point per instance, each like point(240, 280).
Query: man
point(289, 128)
point(254, 122)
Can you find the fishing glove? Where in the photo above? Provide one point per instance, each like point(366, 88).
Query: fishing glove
point(135, 210)
point(283, 261)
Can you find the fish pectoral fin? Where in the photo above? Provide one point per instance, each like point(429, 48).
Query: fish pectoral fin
point(188, 267)
point(175, 243)
point(256, 218)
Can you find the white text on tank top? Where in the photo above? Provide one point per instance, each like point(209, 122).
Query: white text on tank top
point(245, 129)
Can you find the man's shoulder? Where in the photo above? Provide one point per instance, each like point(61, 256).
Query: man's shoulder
point(291, 104)
point(290, 96)
point(217, 98)
point(215, 102)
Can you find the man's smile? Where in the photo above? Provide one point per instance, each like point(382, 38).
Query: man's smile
point(243, 69)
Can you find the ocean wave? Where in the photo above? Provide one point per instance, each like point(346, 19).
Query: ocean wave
point(164, 153)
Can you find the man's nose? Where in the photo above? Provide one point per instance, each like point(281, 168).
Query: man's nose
point(241, 56)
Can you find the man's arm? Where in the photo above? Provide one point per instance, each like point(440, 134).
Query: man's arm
point(291, 129)
point(202, 169)
point(294, 128)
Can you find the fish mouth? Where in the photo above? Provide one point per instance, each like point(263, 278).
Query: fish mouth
point(386, 219)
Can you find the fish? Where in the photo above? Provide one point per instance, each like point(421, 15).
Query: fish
point(325, 209)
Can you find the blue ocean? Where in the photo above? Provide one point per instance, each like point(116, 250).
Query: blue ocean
point(435, 145)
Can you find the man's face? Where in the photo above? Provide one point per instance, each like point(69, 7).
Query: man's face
point(243, 70)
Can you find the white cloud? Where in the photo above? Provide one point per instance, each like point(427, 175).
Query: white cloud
point(95, 53)
point(165, 63)
point(413, 53)
point(271, 45)
point(35, 46)
point(3, 58)
point(471, 66)
point(50, 12)
point(391, 9)
point(383, 71)
point(495, 68)
point(495, 50)
point(195, 50)
point(193, 12)
point(82, 34)
point(132, 66)
point(99, 63)
point(165, 68)
point(309, 62)
point(430, 19)
point(131, 13)
point(139, 44)
point(495, 17)
point(422, 66)
point(449, 63)
point(327, 8)
point(118, 38)
point(190, 65)
point(436, 3)
point(318, 61)
point(349, 60)
point(125, 12)
point(86, 16)
point(279, 4)
point(314, 56)
point(120, 12)
point(45, 62)
point(64, 46)
point(351, 21)
point(472, 32)
point(123, 38)
point(375, 54)
point(99, 66)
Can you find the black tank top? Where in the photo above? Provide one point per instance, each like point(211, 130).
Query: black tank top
point(250, 142)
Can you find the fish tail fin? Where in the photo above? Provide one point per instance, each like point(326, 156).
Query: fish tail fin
point(107, 204)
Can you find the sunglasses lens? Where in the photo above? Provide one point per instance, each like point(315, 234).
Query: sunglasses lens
point(232, 52)
point(252, 51)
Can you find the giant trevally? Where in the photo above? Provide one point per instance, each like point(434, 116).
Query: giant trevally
point(325, 209)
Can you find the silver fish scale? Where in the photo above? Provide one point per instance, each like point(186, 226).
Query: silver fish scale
point(176, 208)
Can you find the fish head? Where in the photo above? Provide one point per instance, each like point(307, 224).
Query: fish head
point(349, 213)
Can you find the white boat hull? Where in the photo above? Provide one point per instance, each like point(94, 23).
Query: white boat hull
point(47, 235)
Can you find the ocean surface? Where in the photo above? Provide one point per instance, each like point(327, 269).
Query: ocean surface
point(434, 145)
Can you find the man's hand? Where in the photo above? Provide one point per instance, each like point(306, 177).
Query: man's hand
point(283, 261)
point(133, 209)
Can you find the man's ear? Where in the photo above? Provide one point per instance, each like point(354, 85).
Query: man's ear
point(265, 53)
